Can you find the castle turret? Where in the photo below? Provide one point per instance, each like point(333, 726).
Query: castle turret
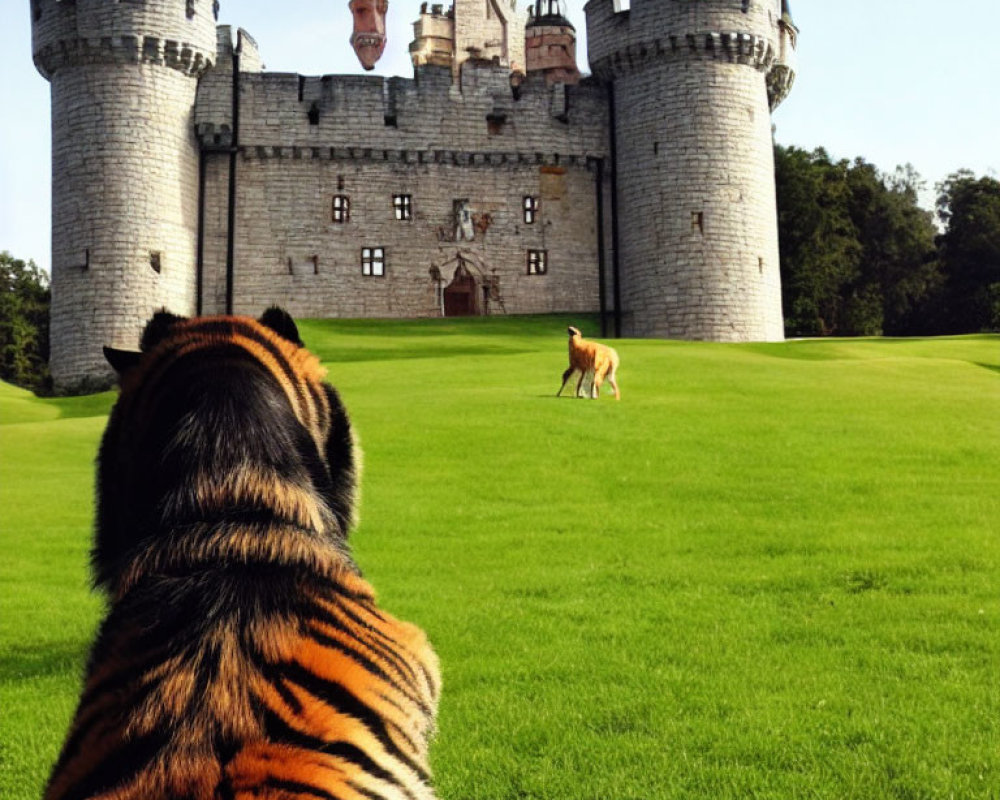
point(124, 168)
point(692, 86)
point(482, 31)
point(433, 36)
point(550, 43)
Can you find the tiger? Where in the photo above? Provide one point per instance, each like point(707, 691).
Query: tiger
point(242, 654)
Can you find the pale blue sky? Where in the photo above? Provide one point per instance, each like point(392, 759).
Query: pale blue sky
point(895, 82)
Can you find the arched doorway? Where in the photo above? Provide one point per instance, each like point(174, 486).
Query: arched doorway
point(461, 296)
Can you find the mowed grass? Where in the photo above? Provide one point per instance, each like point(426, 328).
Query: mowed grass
point(770, 571)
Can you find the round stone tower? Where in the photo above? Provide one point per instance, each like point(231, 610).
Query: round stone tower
point(692, 85)
point(123, 76)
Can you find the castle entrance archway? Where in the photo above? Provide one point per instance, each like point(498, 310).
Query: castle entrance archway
point(461, 296)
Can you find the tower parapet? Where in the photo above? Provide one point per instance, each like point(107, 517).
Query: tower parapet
point(180, 34)
point(123, 78)
point(698, 239)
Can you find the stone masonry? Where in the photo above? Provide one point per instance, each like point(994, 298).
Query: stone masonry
point(181, 183)
point(370, 140)
point(695, 170)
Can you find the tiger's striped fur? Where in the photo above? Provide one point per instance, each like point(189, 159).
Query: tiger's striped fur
point(243, 655)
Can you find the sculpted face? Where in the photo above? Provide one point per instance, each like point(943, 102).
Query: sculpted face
point(368, 38)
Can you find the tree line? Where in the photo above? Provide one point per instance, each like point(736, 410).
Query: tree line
point(24, 324)
point(859, 257)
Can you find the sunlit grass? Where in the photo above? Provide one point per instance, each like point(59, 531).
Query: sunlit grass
point(770, 571)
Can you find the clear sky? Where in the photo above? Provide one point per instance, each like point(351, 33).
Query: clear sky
point(894, 82)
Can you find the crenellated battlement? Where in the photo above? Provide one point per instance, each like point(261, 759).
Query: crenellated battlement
point(179, 34)
point(122, 49)
point(737, 47)
point(286, 113)
point(751, 33)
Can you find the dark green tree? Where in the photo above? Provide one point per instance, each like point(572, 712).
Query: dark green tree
point(858, 254)
point(820, 252)
point(898, 267)
point(24, 323)
point(969, 207)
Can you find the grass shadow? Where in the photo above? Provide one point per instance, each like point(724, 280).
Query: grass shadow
point(24, 662)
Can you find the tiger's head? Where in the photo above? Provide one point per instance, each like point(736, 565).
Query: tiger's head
point(221, 421)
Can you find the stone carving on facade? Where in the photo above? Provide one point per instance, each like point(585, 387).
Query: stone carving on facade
point(482, 221)
point(465, 229)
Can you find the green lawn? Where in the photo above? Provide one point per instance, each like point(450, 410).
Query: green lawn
point(770, 571)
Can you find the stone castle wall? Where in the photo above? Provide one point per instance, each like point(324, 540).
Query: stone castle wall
point(289, 251)
point(305, 140)
point(693, 133)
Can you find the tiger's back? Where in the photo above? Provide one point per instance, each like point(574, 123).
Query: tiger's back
point(243, 654)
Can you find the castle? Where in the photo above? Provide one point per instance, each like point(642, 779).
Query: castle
point(495, 180)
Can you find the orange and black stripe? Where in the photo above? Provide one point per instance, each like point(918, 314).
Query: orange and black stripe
point(242, 655)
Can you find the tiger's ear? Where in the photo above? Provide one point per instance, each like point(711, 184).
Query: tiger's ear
point(157, 329)
point(281, 322)
point(122, 360)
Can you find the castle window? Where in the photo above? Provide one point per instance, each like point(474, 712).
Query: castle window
point(746, 6)
point(373, 262)
point(530, 206)
point(341, 208)
point(190, 9)
point(403, 206)
point(495, 123)
point(698, 221)
point(86, 260)
point(538, 262)
point(156, 262)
